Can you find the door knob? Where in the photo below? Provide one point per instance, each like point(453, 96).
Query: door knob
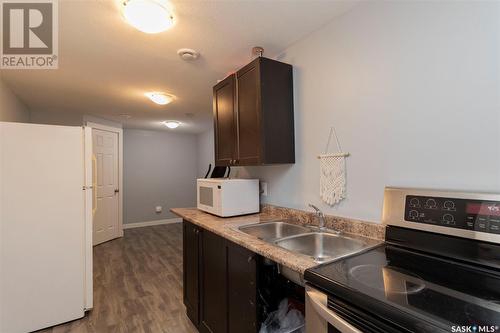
point(117, 190)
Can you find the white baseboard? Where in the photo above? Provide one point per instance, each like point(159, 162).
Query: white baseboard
point(151, 223)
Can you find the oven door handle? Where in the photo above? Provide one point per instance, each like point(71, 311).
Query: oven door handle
point(319, 303)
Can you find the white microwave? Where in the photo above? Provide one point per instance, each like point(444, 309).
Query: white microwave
point(228, 197)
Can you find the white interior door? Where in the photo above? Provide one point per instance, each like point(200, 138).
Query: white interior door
point(106, 218)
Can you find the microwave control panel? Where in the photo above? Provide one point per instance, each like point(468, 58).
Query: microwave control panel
point(467, 214)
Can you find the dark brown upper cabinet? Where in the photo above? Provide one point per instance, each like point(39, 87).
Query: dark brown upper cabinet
point(253, 115)
point(225, 121)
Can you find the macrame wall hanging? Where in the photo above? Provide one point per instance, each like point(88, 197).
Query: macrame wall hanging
point(332, 167)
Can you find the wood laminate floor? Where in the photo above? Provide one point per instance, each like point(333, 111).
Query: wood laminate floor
point(137, 285)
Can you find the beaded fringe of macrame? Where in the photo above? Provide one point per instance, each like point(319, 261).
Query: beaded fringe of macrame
point(332, 178)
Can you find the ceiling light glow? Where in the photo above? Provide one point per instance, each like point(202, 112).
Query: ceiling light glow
point(149, 16)
point(160, 98)
point(171, 124)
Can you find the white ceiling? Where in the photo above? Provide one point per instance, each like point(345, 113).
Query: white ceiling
point(106, 66)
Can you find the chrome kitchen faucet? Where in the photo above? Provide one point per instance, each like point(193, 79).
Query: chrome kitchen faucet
point(321, 217)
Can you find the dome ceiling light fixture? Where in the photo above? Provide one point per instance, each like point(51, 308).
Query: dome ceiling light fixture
point(160, 98)
point(149, 16)
point(172, 124)
point(188, 54)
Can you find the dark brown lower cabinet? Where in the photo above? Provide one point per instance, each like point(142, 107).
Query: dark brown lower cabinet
point(242, 289)
point(213, 284)
point(191, 267)
point(227, 280)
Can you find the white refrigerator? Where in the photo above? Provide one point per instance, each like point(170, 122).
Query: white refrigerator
point(46, 204)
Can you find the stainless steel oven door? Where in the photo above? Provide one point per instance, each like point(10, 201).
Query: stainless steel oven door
point(318, 315)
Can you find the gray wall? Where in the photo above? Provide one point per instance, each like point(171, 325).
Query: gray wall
point(413, 91)
point(159, 168)
point(11, 108)
point(56, 118)
point(206, 154)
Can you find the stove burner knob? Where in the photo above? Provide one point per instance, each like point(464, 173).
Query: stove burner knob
point(448, 219)
point(414, 202)
point(449, 205)
point(431, 203)
point(413, 214)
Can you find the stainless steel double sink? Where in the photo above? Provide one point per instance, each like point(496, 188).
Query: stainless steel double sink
point(322, 246)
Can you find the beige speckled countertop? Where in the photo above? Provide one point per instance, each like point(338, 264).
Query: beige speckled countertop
point(228, 228)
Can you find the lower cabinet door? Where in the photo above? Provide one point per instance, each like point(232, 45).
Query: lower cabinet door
point(242, 289)
point(213, 284)
point(190, 243)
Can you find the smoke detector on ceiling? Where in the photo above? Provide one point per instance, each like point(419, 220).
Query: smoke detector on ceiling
point(188, 54)
point(258, 51)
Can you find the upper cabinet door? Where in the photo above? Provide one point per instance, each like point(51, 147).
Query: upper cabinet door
point(248, 114)
point(224, 121)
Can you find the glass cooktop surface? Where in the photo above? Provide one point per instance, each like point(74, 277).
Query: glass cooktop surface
point(435, 290)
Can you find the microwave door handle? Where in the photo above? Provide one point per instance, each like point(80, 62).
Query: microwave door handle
point(319, 303)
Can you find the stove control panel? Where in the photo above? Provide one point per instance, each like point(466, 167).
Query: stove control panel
point(468, 214)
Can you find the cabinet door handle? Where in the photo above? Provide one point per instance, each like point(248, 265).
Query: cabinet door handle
point(250, 258)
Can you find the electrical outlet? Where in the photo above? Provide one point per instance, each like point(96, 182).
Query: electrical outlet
point(263, 189)
point(158, 209)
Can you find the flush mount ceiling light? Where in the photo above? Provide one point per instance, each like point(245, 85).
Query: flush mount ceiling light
point(160, 97)
point(149, 16)
point(171, 124)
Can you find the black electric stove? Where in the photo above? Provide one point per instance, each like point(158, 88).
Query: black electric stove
point(419, 280)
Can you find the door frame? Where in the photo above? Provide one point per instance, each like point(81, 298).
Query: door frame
point(118, 131)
